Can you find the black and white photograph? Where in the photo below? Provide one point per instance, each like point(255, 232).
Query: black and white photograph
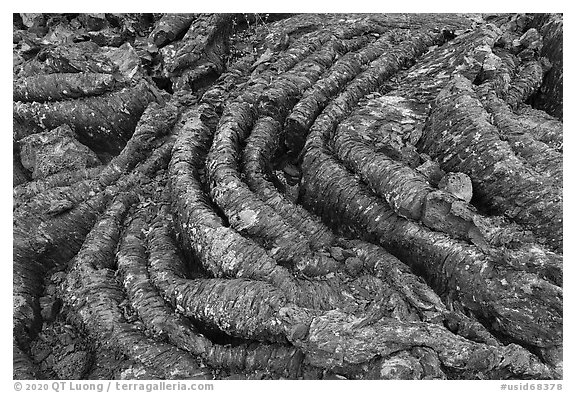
point(286, 196)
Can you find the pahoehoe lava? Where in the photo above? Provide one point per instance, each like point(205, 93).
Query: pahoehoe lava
point(265, 196)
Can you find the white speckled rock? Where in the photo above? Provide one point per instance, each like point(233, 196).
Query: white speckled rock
point(457, 184)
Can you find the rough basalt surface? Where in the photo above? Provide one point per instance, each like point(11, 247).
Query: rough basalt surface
point(265, 196)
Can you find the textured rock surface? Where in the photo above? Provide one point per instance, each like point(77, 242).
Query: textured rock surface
point(317, 196)
point(55, 151)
